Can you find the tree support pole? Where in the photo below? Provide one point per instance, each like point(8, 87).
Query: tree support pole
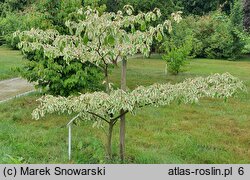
point(69, 148)
point(109, 143)
point(69, 135)
point(122, 121)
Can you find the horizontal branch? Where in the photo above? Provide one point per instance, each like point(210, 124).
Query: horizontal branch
point(98, 116)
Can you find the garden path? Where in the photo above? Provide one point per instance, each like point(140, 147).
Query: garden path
point(15, 87)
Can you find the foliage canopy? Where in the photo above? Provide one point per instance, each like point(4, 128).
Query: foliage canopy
point(100, 106)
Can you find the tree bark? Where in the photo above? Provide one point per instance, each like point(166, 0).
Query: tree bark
point(122, 119)
point(107, 80)
point(124, 74)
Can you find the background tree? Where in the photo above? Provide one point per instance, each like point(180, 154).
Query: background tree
point(215, 35)
point(246, 14)
point(196, 7)
point(46, 14)
point(166, 6)
point(201, 7)
point(51, 14)
point(13, 5)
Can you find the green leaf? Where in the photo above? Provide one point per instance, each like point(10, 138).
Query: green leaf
point(85, 39)
point(154, 17)
point(110, 40)
point(70, 31)
point(126, 38)
point(143, 26)
point(132, 28)
point(159, 36)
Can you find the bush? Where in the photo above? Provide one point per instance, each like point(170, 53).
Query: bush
point(176, 56)
point(216, 36)
point(166, 6)
point(55, 76)
point(246, 49)
point(228, 39)
point(10, 24)
point(21, 21)
point(225, 40)
point(177, 46)
point(201, 7)
point(57, 12)
point(52, 76)
point(48, 14)
point(7, 6)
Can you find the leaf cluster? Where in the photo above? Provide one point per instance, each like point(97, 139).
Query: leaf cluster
point(100, 106)
point(99, 39)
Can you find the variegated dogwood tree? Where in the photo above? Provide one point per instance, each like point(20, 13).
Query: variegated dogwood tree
point(101, 39)
point(104, 40)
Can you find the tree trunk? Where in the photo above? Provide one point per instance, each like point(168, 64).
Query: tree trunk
point(107, 80)
point(122, 122)
point(246, 10)
point(122, 137)
point(109, 143)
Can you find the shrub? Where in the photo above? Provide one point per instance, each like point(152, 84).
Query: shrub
point(228, 38)
point(10, 23)
point(55, 76)
point(7, 6)
point(227, 41)
point(48, 14)
point(201, 7)
point(21, 21)
point(176, 55)
point(246, 49)
point(223, 41)
point(216, 36)
point(177, 46)
point(57, 12)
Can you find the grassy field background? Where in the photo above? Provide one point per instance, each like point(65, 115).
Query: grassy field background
point(212, 131)
point(9, 59)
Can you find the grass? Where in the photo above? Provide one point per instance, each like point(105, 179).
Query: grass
point(9, 59)
point(212, 131)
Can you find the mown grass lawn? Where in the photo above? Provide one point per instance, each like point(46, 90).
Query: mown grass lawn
point(9, 59)
point(212, 131)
